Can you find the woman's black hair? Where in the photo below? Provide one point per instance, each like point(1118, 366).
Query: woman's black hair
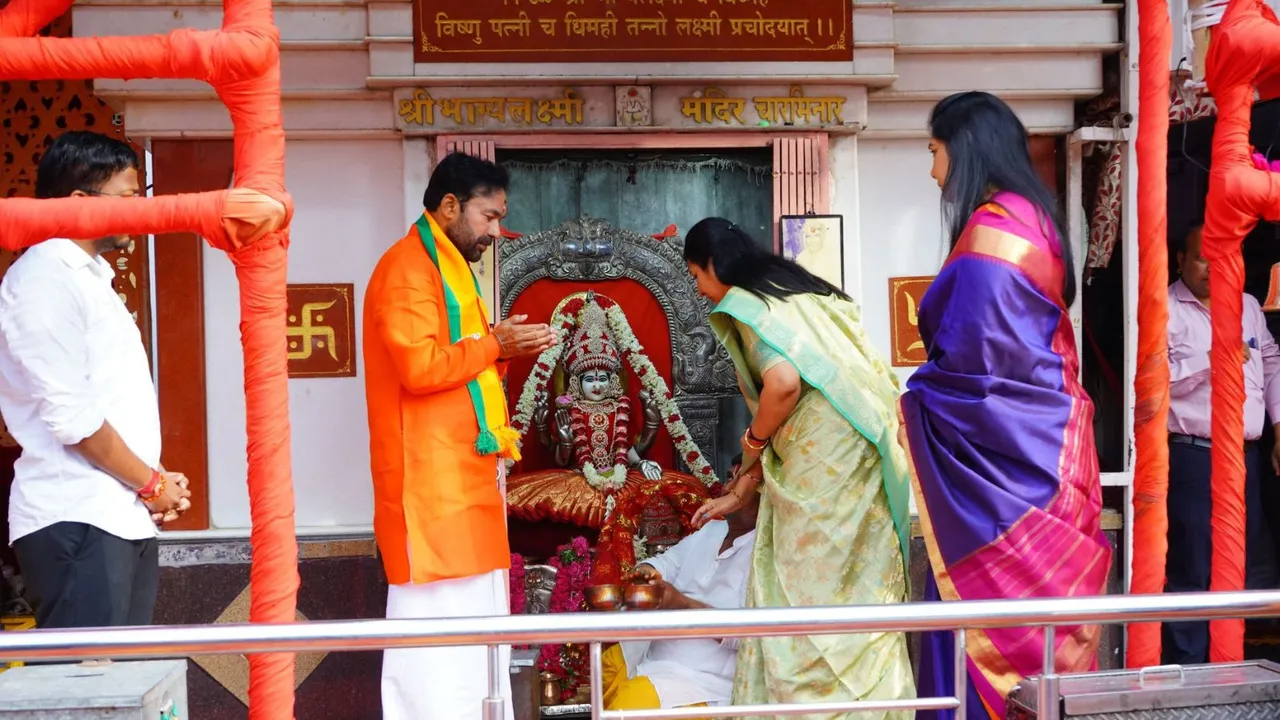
point(988, 150)
point(739, 261)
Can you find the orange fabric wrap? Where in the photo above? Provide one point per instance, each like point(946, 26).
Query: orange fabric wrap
point(434, 495)
point(1244, 52)
point(1151, 382)
point(242, 63)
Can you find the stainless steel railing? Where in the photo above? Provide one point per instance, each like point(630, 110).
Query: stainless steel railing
point(594, 629)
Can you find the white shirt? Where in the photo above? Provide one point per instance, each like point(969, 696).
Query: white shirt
point(71, 357)
point(688, 672)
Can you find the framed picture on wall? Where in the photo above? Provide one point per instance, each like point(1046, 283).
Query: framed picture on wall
point(816, 243)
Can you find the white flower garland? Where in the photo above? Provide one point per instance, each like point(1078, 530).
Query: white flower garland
point(640, 545)
point(534, 393)
point(657, 387)
point(614, 480)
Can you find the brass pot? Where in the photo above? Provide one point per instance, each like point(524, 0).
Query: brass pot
point(643, 596)
point(604, 597)
point(550, 690)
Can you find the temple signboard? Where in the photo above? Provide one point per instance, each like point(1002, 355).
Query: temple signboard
point(467, 31)
point(486, 109)
point(905, 294)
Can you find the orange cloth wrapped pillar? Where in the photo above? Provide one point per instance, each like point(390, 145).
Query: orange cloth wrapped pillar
point(1151, 383)
point(1244, 53)
point(242, 63)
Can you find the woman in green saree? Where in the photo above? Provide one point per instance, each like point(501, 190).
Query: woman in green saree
point(822, 451)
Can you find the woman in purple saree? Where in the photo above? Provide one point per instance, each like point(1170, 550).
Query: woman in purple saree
point(997, 429)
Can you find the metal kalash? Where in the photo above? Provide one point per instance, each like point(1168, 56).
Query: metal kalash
point(596, 629)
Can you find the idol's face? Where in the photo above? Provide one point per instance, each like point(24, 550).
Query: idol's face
point(941, 162)
point(595, 385)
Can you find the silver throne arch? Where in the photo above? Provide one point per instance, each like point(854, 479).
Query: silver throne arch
point(591, 249)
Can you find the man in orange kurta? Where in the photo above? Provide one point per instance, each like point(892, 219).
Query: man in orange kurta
point(439, 510)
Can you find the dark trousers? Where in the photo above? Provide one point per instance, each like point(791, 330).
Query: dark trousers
point(1191, 546)
point(80, 576)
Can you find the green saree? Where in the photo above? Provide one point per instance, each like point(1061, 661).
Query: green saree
point(833, 524)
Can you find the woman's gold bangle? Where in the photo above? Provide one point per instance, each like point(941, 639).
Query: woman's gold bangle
point(753, 443)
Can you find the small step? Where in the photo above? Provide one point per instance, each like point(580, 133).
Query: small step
point(144, 690)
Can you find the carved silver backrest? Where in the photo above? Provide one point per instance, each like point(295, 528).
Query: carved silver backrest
point(539, 581)
point(590, 249)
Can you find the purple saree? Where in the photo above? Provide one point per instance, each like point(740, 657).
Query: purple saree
point(999, 436)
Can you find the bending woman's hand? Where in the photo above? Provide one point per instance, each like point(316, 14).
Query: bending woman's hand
point(716, 509)
point(749, 457)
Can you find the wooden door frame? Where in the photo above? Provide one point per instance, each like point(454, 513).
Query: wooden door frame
point(180, 166)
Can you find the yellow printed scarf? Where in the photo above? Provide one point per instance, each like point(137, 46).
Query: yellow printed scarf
point(468, 319)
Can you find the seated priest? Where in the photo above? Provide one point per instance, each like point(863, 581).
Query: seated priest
point(707, 569)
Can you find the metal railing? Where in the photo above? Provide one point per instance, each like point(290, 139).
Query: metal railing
point(594, 629)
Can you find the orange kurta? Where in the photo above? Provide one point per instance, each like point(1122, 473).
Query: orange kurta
point(435, 498)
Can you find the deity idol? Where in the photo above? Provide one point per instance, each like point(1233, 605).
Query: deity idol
point(589, 430)
point(592, 420)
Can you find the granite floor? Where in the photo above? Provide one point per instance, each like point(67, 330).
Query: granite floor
point(209, 583)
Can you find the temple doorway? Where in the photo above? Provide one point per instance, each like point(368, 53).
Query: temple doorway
point(649, 192)
point(595, 225)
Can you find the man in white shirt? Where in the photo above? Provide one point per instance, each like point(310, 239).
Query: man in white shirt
point(76, 393)
point(706, 569)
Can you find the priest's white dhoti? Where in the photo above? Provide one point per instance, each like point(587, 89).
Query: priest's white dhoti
point(447, 683)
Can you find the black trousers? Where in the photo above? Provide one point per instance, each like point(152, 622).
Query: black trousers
point(80, 576)
point(1191, 546)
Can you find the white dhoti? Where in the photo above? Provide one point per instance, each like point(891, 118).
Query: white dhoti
point(447, 683)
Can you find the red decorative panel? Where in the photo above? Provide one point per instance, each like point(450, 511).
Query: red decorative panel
point(648, 321)
point(905, 294)
point(472, 31)
point(321, 334)
point(185, 166)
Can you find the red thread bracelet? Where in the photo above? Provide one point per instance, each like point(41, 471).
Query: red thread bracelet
point(152, 489)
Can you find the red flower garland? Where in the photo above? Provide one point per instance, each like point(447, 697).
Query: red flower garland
point(573, 572)
point(519, 599)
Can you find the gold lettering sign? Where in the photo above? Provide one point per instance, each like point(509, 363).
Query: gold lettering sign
point(422, 108)
point(518, 27)
point(796, 109)
point(590, 31)
point(321, 330)
point(446, 27)
point(905, 294)
point(713, 106)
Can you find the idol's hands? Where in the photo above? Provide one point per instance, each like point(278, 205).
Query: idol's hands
point(519, 339)
point(651, 470)
point(564, 427)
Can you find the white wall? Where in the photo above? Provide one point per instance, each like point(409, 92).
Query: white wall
point(883, 189)
point(350, 208)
